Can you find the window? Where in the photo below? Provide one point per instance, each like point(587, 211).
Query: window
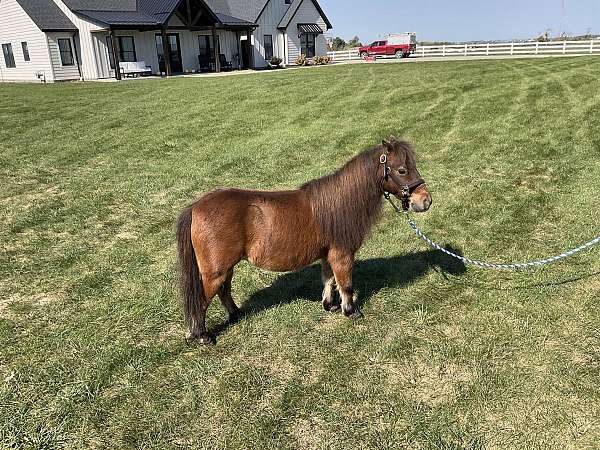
point(268, 47)
point(25, 51)
point(307, 45)
point(205, 45)
point(9, 58)
point(288, 2)
point(126, 49)
point(66, 52)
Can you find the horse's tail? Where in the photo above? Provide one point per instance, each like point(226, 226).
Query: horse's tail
point(190, 281)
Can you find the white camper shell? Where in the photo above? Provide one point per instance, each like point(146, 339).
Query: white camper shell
point(402, 39)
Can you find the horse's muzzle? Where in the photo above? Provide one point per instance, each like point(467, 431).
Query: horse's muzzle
point(420, 199)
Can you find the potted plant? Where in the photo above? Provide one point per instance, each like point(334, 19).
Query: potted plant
point(275, 62)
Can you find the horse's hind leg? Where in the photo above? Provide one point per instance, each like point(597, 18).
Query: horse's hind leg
point(329, 300)
point(227, 299)
point(212, 284)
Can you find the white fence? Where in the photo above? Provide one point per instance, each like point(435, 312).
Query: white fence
point(573, 48)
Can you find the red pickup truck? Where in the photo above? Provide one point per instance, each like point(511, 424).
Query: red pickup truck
point(398, 45)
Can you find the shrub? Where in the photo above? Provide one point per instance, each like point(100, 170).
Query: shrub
point(321, 60)
point(301, 60)
point(275, 61)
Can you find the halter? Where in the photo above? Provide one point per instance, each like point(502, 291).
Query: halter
point(407, 189)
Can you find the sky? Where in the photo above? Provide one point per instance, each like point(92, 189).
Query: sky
point(461, 20)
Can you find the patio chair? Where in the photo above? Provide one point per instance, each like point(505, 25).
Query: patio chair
point(206, 63)
point(225, 65)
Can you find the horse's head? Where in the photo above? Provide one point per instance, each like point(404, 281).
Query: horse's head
point(403, 179)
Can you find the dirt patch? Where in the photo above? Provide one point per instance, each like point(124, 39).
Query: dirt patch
point(431, 384)
point(309, 433)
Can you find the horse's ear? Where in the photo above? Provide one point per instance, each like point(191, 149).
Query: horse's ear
point(388, 145)
point(393, 138)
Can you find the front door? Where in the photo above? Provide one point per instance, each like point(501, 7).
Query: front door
point(176, 63)
point(245, 44)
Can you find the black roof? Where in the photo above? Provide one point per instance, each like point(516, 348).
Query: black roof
point(101, 5)
point(122, 18)
point(47, 15)
point(229, 20)
point(248, 10)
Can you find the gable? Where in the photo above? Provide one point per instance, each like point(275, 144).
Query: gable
point(291, 12)
point(47, 15)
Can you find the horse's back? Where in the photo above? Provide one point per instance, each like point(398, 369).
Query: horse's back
point(274, 230)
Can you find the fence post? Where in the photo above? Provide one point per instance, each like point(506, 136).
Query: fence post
point(444, 50)
point(591, 46)
point(465, 49)
point(564, 47)
point(423, 48)
point(487, 50)
point(512, 48)
point(537, 48)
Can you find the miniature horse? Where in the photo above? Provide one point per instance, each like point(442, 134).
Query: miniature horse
point(326, 219)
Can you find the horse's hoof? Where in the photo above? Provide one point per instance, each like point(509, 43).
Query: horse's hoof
point(331, 307)
point(233, 318)
point(206, 339)
point(353, 313)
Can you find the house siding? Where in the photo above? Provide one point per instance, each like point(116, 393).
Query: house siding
point(84, 43)
point(267, 24)
point(62, 73)
point(307, 13)
point(16, 27)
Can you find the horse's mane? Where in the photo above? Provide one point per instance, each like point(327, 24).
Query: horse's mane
point(347, 202)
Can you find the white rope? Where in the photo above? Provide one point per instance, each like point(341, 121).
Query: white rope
point(497, 266)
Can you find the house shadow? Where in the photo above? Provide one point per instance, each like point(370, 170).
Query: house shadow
point(369, 276)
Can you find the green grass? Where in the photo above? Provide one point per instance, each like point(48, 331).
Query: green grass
point(92, 349)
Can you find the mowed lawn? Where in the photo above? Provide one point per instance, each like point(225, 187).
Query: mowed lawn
point(92, 347)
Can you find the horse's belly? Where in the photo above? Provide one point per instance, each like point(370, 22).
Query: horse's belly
point(283, 258)
point(283, 238)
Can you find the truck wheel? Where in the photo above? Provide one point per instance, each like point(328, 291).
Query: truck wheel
point(399, 54)
point(364, 55)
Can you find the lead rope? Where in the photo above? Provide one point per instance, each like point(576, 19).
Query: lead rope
point(488, 265)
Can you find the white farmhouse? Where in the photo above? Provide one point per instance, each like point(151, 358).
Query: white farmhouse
point(54, 40)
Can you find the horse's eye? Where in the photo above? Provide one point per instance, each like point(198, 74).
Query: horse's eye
point(402, 171)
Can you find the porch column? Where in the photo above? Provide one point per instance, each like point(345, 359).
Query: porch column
point(166, 51)
point(216, 49)
point(115, 53)
point(250, 48)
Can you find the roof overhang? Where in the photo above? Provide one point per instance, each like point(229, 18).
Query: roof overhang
point(309, 28)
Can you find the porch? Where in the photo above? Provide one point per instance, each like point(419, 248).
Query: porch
point(192, 40)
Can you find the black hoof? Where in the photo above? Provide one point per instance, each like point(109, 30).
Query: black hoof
point(331, 306)
point(352, 312)
point(233, 318)
point(206, 339)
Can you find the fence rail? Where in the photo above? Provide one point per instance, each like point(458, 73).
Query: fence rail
point(573, 48)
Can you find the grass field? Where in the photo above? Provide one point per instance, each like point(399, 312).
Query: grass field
point(92, 349)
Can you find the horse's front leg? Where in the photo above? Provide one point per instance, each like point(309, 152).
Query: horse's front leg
point(341, 262)
point(330, 302)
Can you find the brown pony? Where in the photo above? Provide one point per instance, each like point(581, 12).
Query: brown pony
point(326, 219)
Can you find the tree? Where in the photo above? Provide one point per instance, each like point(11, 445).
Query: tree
point(353, 43)
point(338, 44)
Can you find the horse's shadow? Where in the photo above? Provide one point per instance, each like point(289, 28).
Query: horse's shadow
point(370, 276)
